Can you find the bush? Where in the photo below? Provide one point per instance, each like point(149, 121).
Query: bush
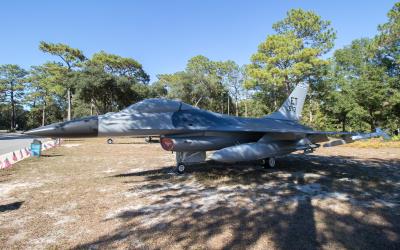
point(396, 138)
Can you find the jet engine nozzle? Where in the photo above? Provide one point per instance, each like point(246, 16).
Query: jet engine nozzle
point(167, 143)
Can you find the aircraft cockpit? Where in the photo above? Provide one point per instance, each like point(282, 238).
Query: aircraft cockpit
point(157, 105)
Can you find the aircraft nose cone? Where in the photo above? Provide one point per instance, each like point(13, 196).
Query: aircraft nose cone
point(84, 127)
point(41, 131)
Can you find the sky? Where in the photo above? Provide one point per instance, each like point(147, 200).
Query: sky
point(163, 35)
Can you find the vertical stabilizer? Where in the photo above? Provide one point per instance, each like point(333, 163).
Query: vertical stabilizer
point(293, 106)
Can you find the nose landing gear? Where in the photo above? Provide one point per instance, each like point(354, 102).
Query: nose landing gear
point(180, 168)
point(269, 162)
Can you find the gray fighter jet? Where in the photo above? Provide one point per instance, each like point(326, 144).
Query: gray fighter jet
point(190, 131)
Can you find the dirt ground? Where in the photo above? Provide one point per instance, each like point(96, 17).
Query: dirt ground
point(87, 194)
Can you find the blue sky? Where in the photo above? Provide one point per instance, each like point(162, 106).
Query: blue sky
point(163, 35)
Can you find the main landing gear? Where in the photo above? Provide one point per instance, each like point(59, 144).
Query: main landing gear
point(269, 162)
point(183, 159)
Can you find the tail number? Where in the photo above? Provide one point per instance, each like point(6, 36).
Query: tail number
point(292, 105)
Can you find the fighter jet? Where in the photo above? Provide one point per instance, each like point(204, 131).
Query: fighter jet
point(190, 132)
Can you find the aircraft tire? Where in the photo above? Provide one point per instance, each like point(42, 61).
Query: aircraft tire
point(110, 141)
point(269, 162)
point(180, 168)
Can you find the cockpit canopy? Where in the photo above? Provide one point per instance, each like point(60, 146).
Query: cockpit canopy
point(157, 105)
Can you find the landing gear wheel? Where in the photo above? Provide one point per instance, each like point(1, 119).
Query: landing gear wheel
point(180, 168)
point(148, 139)
point(110, 141)
point(269, 162)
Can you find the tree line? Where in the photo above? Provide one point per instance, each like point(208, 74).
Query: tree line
point(356, 88)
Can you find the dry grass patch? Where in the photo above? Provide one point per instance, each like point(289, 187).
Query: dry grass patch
point(374, 143)
point(90, 194)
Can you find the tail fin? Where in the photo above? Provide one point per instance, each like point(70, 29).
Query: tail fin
point(293, 106)
point(382, 133)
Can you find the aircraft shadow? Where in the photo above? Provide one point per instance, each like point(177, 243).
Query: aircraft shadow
point(243, 205)
point(73, 140)
point(130, 143)
point(11, 206)
point(51, 155)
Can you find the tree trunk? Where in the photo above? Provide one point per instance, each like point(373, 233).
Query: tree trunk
point(222, 104)
point(12, 107)
point(69, 103)
point(44, 114)
point(91, 107)
point(344, 123)
point(372, 122)
point(245, 108)
point(198, 101)
point(287, 89)
point(228, 104)
point(237, 108)
point(96, 107)
point(274, 96)
point(287, 86)
point(310, 114)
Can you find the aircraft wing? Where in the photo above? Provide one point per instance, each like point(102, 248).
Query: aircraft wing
point(348, 137)
point(322, 136)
